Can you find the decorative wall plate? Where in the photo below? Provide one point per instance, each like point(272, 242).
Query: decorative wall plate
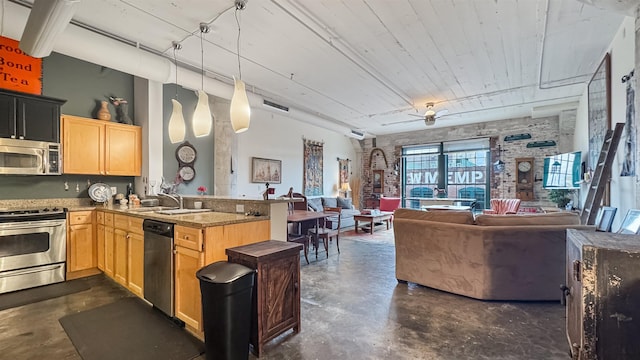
point(187, 173)
point(186, 153)
point(100, 192)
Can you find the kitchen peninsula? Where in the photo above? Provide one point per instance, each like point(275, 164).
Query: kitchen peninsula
point(110, 239)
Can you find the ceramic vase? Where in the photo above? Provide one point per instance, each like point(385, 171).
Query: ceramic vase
point(103, 113)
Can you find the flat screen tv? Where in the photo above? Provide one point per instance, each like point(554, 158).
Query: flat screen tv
point(562, 171)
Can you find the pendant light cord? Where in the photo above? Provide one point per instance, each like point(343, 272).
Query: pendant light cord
point(202, 58)
point(175, 59)
point(238, 43)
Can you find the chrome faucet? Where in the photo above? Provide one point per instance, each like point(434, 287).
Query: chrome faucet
point(175, 197)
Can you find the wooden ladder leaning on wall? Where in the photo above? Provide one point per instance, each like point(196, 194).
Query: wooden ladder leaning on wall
point(601, 175)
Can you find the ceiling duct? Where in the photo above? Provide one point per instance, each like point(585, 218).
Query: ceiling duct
point(275, 106)
point(552, 110)
point(359, 135)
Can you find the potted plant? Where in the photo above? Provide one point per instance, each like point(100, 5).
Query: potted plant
point(560, 196)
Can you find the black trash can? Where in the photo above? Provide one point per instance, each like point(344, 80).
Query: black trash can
point(226, 290)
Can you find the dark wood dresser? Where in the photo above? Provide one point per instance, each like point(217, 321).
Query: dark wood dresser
point(603, 295)
point(276, 295)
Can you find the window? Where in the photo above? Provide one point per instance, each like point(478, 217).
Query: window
point(464, 162)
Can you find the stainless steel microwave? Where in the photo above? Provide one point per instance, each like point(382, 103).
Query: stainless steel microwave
point(26, 157)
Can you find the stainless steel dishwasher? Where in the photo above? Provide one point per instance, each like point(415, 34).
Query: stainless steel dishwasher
point(158, 265)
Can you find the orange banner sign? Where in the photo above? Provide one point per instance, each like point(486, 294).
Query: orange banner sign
point(19, 71)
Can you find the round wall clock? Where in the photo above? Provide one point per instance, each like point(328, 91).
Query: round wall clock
point(524, 166)
point(187, 173)
point(186, 153)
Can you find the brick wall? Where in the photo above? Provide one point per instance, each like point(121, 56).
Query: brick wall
point(502, 184)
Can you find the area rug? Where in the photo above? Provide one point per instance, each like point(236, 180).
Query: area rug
point(33, 295)
point(129, 329)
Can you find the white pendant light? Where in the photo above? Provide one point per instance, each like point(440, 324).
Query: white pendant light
point(202, 116)
point(177, 127)
point(202, 119)
point(240, 112)
point(240, 109)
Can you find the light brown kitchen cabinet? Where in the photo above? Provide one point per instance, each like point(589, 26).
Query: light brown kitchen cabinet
point(100, 246)
point(100, 239)
point(188, 306)
point(120, 253)
point(129, 253)
point(109, 246)
point(101, 148)
point(135, 276)
point(194, 248)
point(81, 245)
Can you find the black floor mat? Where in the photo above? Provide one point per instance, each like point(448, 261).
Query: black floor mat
point(28, 296)
point(129, 329)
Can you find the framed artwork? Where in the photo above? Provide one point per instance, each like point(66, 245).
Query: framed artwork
point(378, 181)
point(266, 170)
point(631, 222)
point(599, 102)
point(604, 219)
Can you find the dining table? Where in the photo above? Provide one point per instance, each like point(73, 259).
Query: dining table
point(300, 216)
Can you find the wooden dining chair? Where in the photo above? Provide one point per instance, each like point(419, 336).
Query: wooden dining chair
point(327, 233)
point(301, 239)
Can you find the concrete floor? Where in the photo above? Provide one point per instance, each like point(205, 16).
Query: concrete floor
point(352, 307)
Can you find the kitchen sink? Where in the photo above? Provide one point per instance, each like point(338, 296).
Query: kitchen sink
point(151, 208)
point(181, 211)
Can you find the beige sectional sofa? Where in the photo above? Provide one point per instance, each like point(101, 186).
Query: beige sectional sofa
point(494, 257)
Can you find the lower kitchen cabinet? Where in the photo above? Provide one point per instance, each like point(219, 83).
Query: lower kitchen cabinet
point(129, 253)
point(188, 306)
point(120, 253)
point(100, 245)
point(81, 245)
point(109, 248)
point(195, 248)
point(135, 276)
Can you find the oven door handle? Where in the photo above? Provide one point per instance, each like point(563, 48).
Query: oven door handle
point(6, 274)
point(30, 225)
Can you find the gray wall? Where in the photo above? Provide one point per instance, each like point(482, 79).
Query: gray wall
point(83, 85)
point(204, 164)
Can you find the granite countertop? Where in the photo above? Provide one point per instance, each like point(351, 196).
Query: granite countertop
point(202, 220)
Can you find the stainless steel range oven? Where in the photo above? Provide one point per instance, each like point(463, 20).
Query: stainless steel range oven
point(33, 246)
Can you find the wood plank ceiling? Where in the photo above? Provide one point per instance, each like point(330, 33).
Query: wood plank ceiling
point(371, 64)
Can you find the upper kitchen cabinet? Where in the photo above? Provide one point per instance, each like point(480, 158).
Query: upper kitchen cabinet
point(100, 148)
point(29, 117)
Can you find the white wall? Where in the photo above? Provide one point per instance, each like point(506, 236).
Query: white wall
point(275, 136)
point(623, 190)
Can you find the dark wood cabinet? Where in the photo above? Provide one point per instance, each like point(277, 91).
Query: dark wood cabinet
point(29, 117)
point(603, 293)
point(276, 295)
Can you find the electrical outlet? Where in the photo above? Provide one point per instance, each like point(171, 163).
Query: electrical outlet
point(239, 208)
point(114, 190)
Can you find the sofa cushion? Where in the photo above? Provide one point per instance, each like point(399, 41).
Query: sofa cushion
point(446, 216)
point(344, 203)
point(315, 204)
point(329, 202)
point(559, 218)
